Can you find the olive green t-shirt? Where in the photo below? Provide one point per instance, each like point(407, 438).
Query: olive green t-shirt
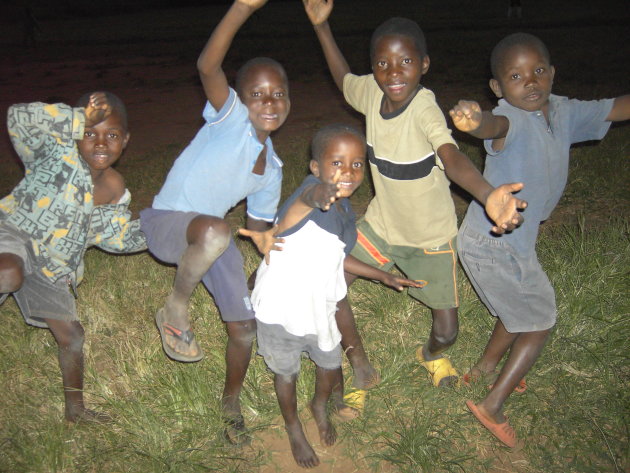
point(413, 204)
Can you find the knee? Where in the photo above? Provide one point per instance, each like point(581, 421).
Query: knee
point(70, 337)
point(210, 232)
point(11, 273)
point(242, 332)
point(446, 339)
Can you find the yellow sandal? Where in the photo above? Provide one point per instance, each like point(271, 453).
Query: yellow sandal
point(356, 399)
point(441, 370)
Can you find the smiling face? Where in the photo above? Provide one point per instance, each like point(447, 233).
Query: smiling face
point(103, 143)
point(344, 153)
point(265, 93)
point(398, 66)
point(524, 78)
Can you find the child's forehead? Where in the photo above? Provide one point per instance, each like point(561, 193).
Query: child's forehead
point(263, 73)
point(344, 138)
point(514, 53)
point(385, 42)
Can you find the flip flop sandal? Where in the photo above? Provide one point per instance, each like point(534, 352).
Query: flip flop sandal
point(504, 431)
point(235, 431)
point(441, 370)
point(356, 399)
point(186, 336)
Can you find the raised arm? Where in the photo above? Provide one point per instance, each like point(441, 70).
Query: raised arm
point(318, 12)
point(468, 117)
point(620, 110)
point(211, 59)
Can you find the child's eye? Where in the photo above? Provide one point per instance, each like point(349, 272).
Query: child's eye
point(336, 163)
point(279, 94)
point(515, 76)
point(407, 60)
point(88, 134)
point(113, 136)
point(357, 165)
point(381, 64)
point(256, 94)
point(540, 70)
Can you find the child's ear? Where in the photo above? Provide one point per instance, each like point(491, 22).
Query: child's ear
point(126, 140)
point(426, 62)
point(314, 167)
point(496, 88)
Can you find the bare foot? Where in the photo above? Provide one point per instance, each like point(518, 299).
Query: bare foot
point(80, 415)
point(303, 453)
point(327, 432)
point(345, 413)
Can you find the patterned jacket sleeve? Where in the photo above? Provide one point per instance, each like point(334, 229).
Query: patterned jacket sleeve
point(38, 130)
point(112, 229)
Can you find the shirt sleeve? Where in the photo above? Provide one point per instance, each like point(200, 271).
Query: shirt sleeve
point(38, 130)
point(356, 91)
point(113, 230)
point(588, 119)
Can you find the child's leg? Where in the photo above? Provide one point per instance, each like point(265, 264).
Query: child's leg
point(443, 334)
point(70, 338)
point(365, 376)
point(237, 357)
point(325, 381)
point(11, 272)
point(500, 341)
point(303, 453)
point(207, 237)
point(525, 350)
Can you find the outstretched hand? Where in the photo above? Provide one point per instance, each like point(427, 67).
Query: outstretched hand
point(318, 11)
point(399, 283)
point(325, 194)
point(266, 241)
point(97, 109)
point(502, 207)
point(466, 115)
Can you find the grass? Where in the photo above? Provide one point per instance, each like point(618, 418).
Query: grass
point(574, 416)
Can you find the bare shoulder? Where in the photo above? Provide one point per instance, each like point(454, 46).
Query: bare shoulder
point(109, 187)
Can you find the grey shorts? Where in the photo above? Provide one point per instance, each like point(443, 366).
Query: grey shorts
point(225, 280)
point(513, 287)
point(282, 351)
point(39, 298)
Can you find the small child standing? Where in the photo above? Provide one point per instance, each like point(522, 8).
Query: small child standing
point(527, 138)
point(411, 221)
point(296, 293)
point(230, 159)
point(69, 199)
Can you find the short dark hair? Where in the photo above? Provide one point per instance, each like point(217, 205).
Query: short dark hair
point(504, 46)
point(326, 134)
point(117, 105)
point(258, 61)
point(401, 27)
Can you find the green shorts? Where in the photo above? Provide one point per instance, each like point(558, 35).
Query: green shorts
point(437, 267)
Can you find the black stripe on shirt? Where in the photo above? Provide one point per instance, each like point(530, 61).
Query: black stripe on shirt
point(402, 171)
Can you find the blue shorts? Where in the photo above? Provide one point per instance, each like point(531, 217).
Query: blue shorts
point(513, 287)
point(225, 280)
point(282, 350)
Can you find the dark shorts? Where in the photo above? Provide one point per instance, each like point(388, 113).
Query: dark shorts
point(436, 268)
point(282, 350)
point(225, 280)
point(512, 286)
point(39, 298)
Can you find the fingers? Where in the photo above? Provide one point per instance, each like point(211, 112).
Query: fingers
point(245, 232)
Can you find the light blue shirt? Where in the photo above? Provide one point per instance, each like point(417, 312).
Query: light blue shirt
point(537, 154)
point(214, 173)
